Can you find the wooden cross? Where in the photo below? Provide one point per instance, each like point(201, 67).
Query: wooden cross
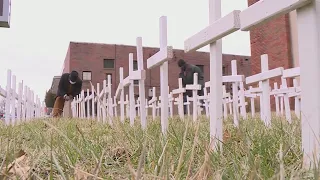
point(276, 97)
point(126, 103)
point(180, 92)
point(218, 28)
point(142, 94)
point(107, 90)
point(161, 58)
point(297, 108)
point(264, 77)
point(152, 102)
point(8, 98)
point(243, 103)
point(131, 91)
point(120, 92)
point(195, 87)
point(309, 45)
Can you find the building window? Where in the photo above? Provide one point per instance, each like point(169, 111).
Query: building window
point(136, 82)
point(107, 77)
point(201, 67)
point(135, 65)
point(86, 75)
point(108, 63)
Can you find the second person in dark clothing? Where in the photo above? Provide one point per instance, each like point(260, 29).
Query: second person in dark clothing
point(186, 74)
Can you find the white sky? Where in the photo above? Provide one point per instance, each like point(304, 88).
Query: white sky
point(35, 46)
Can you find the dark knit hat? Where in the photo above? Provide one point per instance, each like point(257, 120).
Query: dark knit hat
point(181, 63)
point(73, 76)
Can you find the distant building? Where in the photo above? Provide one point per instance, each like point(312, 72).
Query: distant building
point(95, 61)
point(55, 84)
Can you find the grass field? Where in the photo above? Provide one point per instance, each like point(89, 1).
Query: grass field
point(75, 149)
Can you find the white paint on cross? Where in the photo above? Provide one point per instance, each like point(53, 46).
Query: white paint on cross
point(195, 87)
point(264, 77)
point(179, 102)
point(218, 28)
point(308, 13)
point(161, 58)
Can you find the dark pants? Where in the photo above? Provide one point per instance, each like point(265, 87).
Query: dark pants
point(189, 93)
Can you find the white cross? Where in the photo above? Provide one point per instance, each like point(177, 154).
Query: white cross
point(195, 87)
point(180, 92)
point(218, 28)
point(309, 45)
point(264, 77)
point(161, 58)
point(153, 102)
point(126, 103)
point(142, 91)
point(120, 92)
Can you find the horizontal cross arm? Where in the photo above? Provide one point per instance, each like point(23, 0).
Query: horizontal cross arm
point(219, 29)
point(264, 75)
point(265, 10)
point(193, 87)
point(160, 57)
point(178, 91)
point(138, 75)
point(291, 73)
point(234, 78)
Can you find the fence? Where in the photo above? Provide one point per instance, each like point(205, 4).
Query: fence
point(21, 104)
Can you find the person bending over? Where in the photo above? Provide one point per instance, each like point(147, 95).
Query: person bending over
point(70, 85)
point(186, 74)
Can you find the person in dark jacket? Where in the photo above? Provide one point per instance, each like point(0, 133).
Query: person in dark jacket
point(186, 74)
point(70, 85)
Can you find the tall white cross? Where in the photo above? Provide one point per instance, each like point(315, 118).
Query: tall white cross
point(142, 94)
point(218, 28)
point(308, 15)
point(161, 58)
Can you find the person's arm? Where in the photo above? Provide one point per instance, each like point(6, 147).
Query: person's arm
point(200, 73)
point(181, 75)
point(61, 87)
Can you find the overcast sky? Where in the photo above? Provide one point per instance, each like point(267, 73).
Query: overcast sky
point(35, 46)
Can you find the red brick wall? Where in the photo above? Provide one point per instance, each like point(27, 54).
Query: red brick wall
point(272, 38)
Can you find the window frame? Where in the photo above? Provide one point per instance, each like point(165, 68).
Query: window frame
point(83, 73)
point(104, 63)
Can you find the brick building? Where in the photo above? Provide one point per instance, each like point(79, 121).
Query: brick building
point(278, 39)
point(95, 61)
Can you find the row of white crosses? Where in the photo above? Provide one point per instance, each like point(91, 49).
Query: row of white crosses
point(250, 17)
point(21, 106)
point(308, 47)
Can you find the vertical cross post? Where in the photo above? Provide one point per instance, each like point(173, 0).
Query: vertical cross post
point(131, 92)
point(8, 98)
point(195, 87)
point(13, 100)
point(161, 58)
point(212, 35)
point(142, 92)
point(180, 92)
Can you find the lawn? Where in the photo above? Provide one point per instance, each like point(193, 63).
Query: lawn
point(87, 149)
